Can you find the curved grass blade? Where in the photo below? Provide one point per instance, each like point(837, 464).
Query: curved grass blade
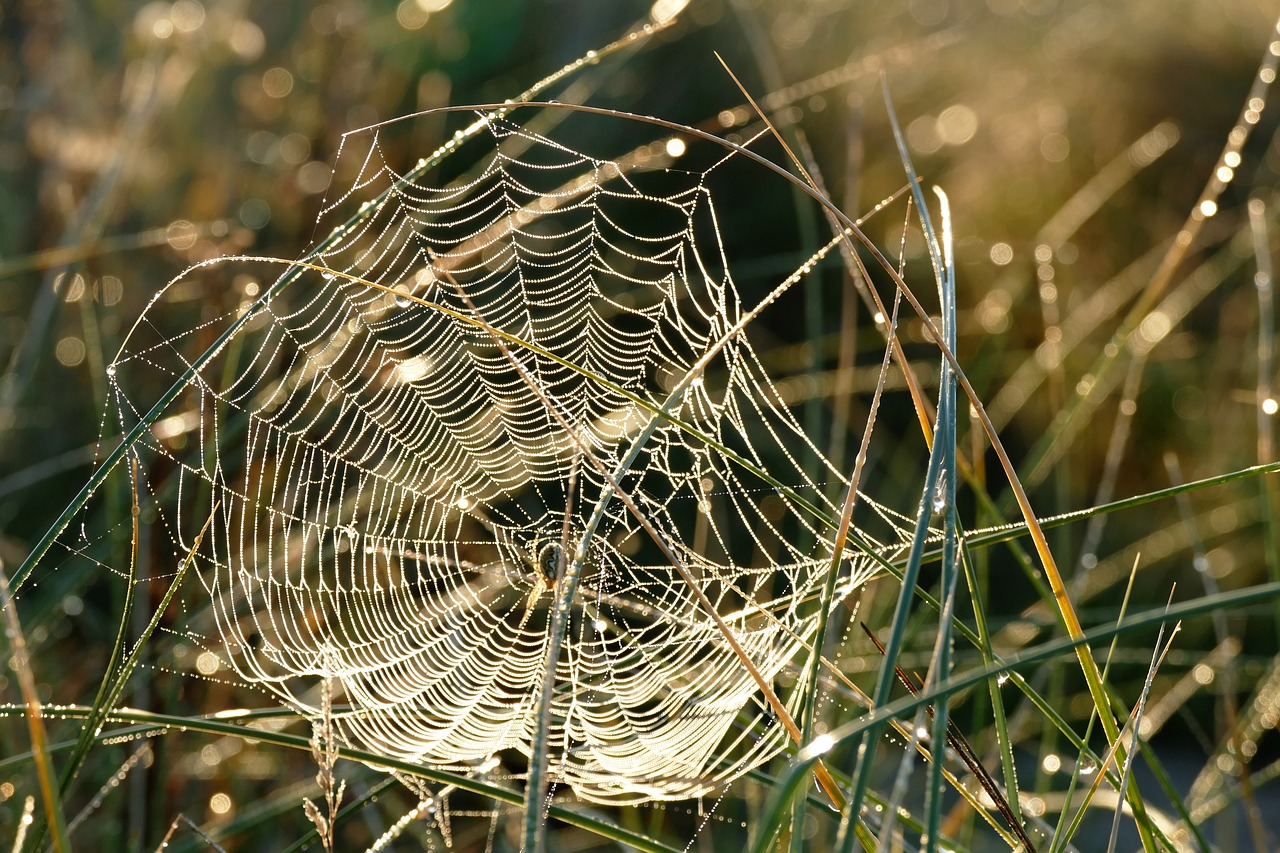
point(20, 662)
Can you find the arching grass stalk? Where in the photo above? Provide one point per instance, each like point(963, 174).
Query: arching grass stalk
point(893, 347)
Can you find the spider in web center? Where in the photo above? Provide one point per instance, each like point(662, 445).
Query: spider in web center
point(546, 569)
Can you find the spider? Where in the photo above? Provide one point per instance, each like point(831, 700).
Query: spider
point(546, 567)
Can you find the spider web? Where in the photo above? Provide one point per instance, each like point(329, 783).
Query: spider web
point(395, 490)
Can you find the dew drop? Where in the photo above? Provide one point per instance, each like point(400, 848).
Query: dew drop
point(940, 493)
point(111, 370)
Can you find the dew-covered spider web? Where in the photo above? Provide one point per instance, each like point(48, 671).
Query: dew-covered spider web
point(403, 445)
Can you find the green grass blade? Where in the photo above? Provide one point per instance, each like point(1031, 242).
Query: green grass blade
point(852, 732)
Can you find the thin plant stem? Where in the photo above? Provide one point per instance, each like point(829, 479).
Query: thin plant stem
point(20, 662)
point(1266, 398)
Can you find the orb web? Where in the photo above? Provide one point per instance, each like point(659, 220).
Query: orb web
point(393, 499)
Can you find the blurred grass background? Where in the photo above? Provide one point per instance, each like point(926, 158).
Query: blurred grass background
point(136, 139)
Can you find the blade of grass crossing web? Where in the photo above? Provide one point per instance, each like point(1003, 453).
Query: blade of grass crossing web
point(944, 502)
point(865, 749)
point(100, 702)
point(534, 832)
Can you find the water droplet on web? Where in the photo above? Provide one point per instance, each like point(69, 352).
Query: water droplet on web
point(111, 370)
point(403, 301)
